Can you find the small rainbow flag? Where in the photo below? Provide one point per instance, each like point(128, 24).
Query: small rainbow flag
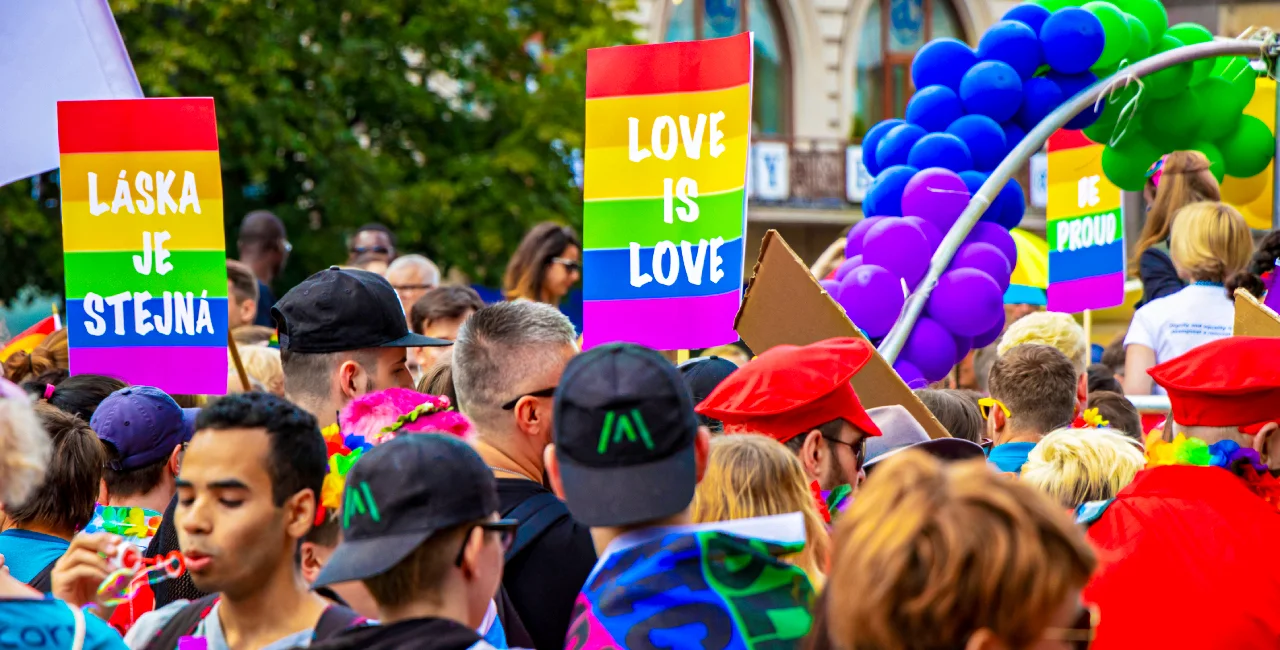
point(28, 339)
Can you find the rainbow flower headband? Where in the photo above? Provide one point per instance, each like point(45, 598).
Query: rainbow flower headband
point(1244, 462)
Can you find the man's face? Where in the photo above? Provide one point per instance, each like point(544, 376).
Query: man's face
point(233, 534)
point(445, 328)
point(371, 245)
point(844, 458)
point(392, 370)
point(409, 283)
point(239, 312)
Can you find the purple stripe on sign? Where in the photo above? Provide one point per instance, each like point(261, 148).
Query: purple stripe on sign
point(662, 323)
point(1097, 292)
point(181, 370)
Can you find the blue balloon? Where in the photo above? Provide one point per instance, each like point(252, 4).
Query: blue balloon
point(896, 144)
point(884, 197)
point(1012, 204)
point(991, 88)
point(1031, 15)
point(1040, 96)
point(871, 139)
point(1072, 39)
point(1013, 134)
point(942, 61)
point(940, 150)
point(1014, 43)
point(1072, 85)
point(934, 108)
point(985, 140)
point(996, 211)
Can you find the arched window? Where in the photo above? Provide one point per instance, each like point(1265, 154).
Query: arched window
point(891, 34)
point(771, 96)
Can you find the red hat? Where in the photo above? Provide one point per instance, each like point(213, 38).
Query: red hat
point(791, 390)
point(1231, 382)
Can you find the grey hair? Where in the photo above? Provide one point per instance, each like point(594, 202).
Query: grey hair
point(24, 451)
point(499, 347)
point(430, 272)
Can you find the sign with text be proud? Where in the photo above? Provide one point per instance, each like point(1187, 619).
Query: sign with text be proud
point(143, 242)
point(668, 128)
point(1085, 228)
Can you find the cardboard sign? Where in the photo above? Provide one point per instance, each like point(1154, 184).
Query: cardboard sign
point(785, 305)
point(1085, 228)
point(142, 233)
point(1254, 318)
point(668, 128)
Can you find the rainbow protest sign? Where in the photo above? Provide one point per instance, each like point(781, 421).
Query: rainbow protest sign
point(1085, 228)
point(142, 235)
point(668, 128)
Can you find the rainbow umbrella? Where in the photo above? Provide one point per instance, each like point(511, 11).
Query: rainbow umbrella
point(1031, 273)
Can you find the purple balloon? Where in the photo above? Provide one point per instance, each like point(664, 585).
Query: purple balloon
point(832, 287)
point(939, 195)
point(931, 233)
point(988, 337)
point(992, 233)
point(872, 298)
point(963, 345)
point(966, 301)
point(931, 349)
point(910, 374)
point(985, 258)
point(899, 246)
point(853, 244)
point(847, 266)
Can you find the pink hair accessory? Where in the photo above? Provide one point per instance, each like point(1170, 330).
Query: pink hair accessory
point(48, 391)
point(383, 415)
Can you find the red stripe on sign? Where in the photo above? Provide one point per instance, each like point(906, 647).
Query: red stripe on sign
point(101, 126)
point(682, 67)
point(1063, 139)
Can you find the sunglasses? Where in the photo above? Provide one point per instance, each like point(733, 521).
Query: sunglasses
point(572, 266)
point(1082, 631)
point(545, 392)
point(987, 404)
point(361, 250)
point(859, 448)
point(505, 528)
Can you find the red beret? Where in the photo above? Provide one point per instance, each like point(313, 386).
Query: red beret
point(1231, 382)
point(791, 390)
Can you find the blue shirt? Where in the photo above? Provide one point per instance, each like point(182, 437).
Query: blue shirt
point(1011, 456)
point(26, 554)
point(49, 625)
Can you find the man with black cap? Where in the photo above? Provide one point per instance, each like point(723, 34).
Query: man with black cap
point(342, 335)
point(420, 528)
point(627, 457)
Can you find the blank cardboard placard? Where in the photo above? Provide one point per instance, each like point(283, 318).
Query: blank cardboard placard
point(1254, 318)
point(785, 305)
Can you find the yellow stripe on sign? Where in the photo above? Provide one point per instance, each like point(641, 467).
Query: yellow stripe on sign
point(608, 125)
point(1077, 185)
point(107, 166)
point(82, 231)
point(610, 174)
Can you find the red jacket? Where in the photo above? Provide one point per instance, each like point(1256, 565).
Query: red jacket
point(1187, 559)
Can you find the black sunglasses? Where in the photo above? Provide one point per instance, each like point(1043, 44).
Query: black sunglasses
point(381, 250)
point(859, 448)
point(506, 529)
point(571, 266)
point(545, 392)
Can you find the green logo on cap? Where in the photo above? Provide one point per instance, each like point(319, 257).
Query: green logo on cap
point(359, 501)
point(626, 424)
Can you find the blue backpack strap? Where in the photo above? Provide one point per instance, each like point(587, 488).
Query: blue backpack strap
point(1089, 513)
point(536, 515)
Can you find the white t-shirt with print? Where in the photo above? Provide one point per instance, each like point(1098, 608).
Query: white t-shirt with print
point(1174, 324)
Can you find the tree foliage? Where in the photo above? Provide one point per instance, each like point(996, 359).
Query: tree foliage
point(448, 120)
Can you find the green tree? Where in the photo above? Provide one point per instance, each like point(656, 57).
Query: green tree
point(447, 120)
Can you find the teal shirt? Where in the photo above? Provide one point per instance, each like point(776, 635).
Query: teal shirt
point(1011, 456)
point(26, 554)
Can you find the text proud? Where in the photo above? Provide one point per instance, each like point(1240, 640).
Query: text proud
point(143, 240)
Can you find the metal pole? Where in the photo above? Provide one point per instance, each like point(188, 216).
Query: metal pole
point(893, 342)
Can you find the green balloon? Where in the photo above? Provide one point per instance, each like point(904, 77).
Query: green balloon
point(1117, 118)
point(1247, 151)
point(1127, 164)
point(1238, 72)
point(1221, 114)
point(1139, 40)
point(1150, 12)
point(1211, 151)
point(1054, 5)
point(1170, 81)
point(1116, 30)
point(1191, 34)
point(1176, 118)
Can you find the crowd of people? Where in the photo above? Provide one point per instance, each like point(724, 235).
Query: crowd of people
point(410, 467)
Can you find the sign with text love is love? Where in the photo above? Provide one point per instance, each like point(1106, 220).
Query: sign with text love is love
point(668, 128)
point(1085, 228)
point(143, 242)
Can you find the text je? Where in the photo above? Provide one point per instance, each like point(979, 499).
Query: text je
point(144, 183)
point(142, 263)
point(665, 138)
point(667, 262)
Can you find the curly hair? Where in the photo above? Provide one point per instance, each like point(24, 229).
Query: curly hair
point(297, 458)
point(50, 354)
point(1263, 261)
point(24, 449)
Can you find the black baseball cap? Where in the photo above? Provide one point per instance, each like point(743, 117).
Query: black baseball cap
point(624, 435)
point(400, 494)
point(338, 309)
point(702, 375)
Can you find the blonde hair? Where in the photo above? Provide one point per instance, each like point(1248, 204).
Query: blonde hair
point(1211, 241)
point(755, 476)
point(263, 365)
point(1184, 179)
point(930, 553)
point(1076, 466)
point(24, 451)
point(1049, 328)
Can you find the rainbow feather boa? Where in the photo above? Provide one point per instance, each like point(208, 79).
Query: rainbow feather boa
point(1244, 462)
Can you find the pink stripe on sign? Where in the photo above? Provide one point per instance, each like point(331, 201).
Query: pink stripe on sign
point(662, 323)
point(1097, 292)
point(181, 370)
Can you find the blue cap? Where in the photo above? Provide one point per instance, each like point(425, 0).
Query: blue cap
point(144, 424)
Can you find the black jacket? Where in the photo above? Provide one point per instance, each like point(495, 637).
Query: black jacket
point(1159, 277)
point(417, 633)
